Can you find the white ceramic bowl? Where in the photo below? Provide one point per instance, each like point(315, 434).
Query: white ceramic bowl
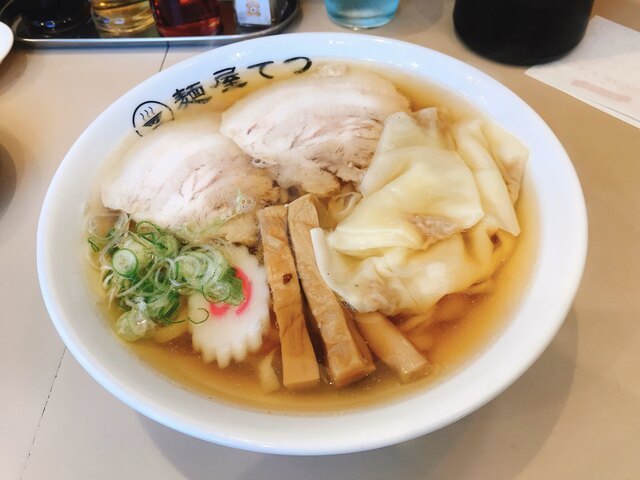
point(6, 41)
point(559, 265)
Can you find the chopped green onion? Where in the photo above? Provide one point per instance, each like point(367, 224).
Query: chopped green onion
point(148, 270)
point(142, 253)
point(203, 320)
point(236, 295)
point(167, 246)
point(145, 227)
point(134, 325)
point(93, 245)
point(217, 293)
point(124, 263)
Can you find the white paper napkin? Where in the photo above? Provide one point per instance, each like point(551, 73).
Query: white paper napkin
point(602, 71)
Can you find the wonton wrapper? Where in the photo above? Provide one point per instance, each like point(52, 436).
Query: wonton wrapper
point(496, 199)
point(401, 130)
point(380, 259)
point(413, 194)
point(509, 154)
point(404, 280)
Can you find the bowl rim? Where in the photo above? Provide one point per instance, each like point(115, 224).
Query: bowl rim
point(6, 40)
point(333, 432)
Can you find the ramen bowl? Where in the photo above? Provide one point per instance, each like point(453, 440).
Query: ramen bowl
point(559, 259)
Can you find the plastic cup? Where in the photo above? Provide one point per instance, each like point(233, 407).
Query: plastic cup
point(358, 14)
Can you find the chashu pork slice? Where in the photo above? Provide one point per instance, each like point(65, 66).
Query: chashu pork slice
point(188, 178)
point(314, 129)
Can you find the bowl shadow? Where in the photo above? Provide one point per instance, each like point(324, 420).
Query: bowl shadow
point(496, 442)
point(8, 179)
point(12, 69)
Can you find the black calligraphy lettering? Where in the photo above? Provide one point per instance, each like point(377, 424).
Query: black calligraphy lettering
point(228, 78)
point(193, 93)
point(261, 67)
point(304, 68)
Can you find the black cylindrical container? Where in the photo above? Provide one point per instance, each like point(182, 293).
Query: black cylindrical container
point(52, 17)
point(521, 32)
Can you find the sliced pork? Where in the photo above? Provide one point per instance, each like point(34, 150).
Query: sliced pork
point(313, 130)
point(190, 179)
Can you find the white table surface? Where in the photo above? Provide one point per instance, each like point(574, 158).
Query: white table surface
point(574, 415)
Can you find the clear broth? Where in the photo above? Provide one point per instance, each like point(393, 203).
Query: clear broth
point(458, 342)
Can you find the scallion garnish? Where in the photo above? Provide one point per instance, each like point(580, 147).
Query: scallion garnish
point(147, 270)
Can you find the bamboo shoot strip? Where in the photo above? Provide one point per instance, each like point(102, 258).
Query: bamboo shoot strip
point(299, 364)
point(360, 341)
point(390, 346)
point(345, 362)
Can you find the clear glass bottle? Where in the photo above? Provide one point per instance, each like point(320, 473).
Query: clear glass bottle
point(185, 18)
point(121, 18)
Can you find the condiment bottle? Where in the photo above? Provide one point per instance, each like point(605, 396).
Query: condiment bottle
point(184, 18)
point(256, 13)
point(53, 17)
point(121, 18)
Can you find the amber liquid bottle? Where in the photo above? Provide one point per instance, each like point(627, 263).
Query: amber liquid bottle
point(185, 18)
point(521, 32)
